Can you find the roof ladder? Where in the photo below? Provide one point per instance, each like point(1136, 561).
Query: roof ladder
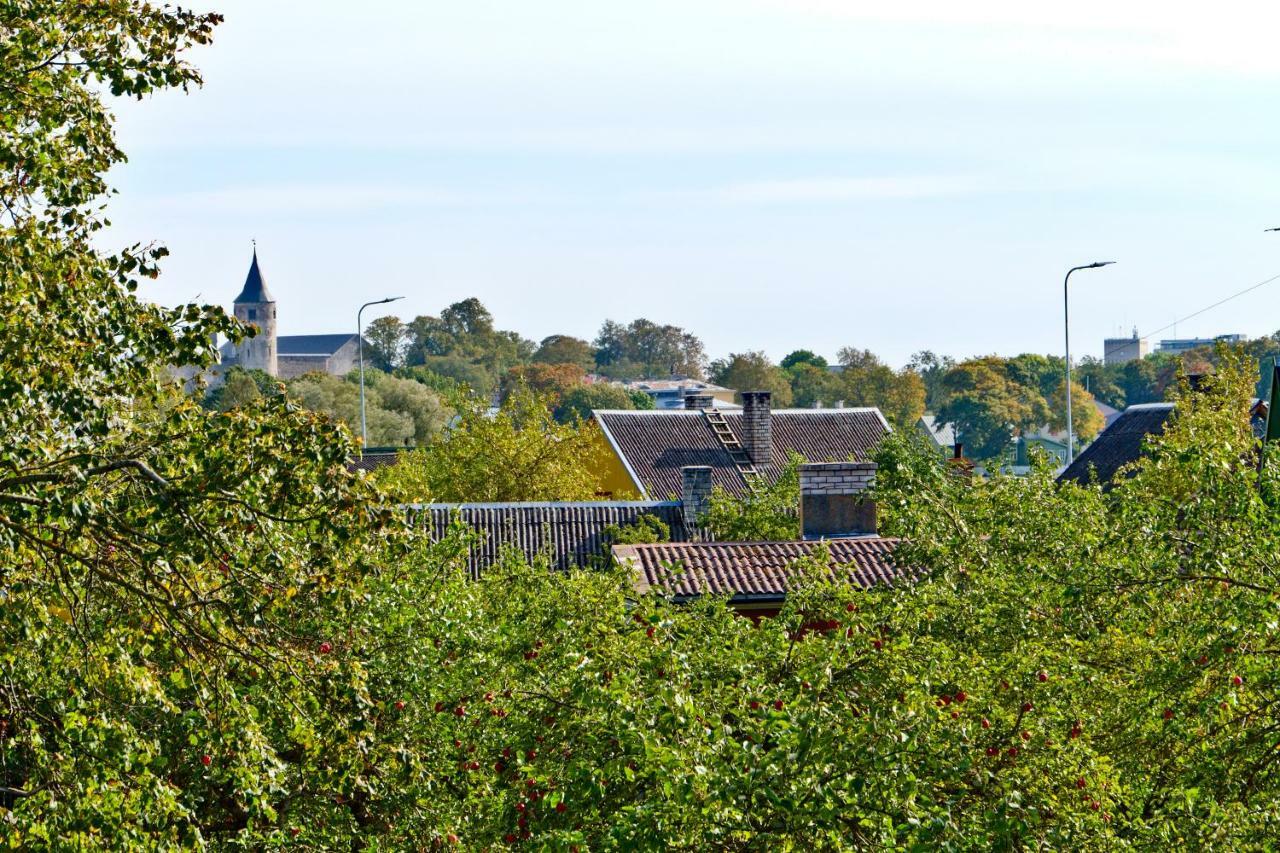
point(741, 460)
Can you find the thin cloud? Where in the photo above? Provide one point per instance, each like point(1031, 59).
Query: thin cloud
point(819, 190)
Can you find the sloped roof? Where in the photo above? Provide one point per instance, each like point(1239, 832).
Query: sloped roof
point(255, 289)
point(1118, 444)
point(656, 444)
point(570, 534)
point(943, 433)
point(325, 345)
point(753, 571)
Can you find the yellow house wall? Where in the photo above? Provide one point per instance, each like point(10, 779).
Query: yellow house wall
point(615, 482)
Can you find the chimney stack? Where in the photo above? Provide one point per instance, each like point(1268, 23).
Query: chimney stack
point(832, 503)
point(757, 431)
point(698, 401)
point(695, 494)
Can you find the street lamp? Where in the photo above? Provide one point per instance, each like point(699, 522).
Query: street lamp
point(364, 429)
point(1066, 334)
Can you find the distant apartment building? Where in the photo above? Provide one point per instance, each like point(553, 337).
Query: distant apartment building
point(670, 393)
point(1121, 350)
point(1177, 346)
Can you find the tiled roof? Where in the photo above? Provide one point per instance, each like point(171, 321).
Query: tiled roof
point(570, 534)
point(311, 344)
point(753, 571)
point(1118, 444)
point(655, 445)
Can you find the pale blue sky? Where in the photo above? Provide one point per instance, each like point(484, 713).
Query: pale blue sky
point(771, 174)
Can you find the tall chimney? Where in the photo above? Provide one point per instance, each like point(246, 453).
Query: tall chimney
point(832, 503)
point(757, 432)
point(698, 401)
point(695, 494)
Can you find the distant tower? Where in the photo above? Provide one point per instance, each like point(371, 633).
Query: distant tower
point(255, 306)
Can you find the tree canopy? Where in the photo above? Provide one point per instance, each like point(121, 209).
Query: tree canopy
point(517, 453)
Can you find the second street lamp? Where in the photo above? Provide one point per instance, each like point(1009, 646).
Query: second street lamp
point(364, 429)
point(1066, 333)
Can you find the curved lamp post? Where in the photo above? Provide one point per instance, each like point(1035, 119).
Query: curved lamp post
point(364, 429)
point(1066, 333)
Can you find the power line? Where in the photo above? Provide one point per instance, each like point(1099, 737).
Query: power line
point(1194, 314)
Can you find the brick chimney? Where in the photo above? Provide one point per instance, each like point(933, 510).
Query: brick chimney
point(832, 504)
point(698, 401)
point(757, 431)
point(695, 494)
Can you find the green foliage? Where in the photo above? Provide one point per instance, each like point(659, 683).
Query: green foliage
point(812, 386)
point(803, 356)
point(752, 371)
point(988, 408)
point(239, 388)
point(643, 349)
point(566, 349)
point(465, 337)
point(866, 381)
point(385, 337)
point(518, 453)
point(767, 514)
point(168, 574)
point(578, 403)
point(647, 528)
point(447, 375)
point(399, 412)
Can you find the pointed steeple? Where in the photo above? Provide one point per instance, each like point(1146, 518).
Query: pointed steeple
point(255, 289)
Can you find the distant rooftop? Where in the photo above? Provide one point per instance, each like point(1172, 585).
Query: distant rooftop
point(255, 288)
point(324, 345)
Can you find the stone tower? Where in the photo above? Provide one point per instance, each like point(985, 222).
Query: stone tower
point(255, 307)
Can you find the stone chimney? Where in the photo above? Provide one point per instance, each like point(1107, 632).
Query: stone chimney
point(832, 504)
point(695, 494)
point(698, 401)
point(757, 431)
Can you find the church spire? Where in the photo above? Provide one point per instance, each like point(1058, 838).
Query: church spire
point(255, 289)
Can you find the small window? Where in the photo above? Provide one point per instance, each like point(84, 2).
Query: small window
point(253, 313)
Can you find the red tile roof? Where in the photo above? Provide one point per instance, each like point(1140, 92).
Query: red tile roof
point(753, 571)
point(655, 445)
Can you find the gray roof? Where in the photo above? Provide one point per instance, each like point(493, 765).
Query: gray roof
point(1118, 444)
point(943, 433)
point(656, 444)
point(571, 535)
point(325, 345)
point(255, 289)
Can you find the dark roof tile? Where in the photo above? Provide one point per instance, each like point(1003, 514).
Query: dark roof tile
point(255, 288)
point(656, 444)
point(570, 534)
point(1118, 444)
point(312, 344)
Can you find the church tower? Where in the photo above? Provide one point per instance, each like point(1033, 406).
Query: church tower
point(256, 307)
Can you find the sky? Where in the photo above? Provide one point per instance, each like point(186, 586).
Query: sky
point(770, 174)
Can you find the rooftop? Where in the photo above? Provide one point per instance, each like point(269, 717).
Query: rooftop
point(1119, 444)
point(316, 345)
point(753, 571)
point(570, 535)
point(255, 289)
point(655, 445)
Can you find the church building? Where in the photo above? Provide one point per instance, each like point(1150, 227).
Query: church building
point(283, 356)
